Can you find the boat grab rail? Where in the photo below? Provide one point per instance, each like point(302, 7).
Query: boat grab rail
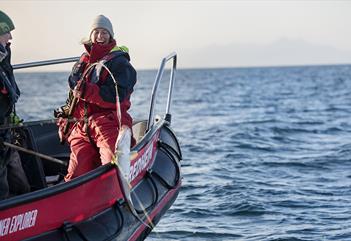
point(172, 56)
point(45, 62)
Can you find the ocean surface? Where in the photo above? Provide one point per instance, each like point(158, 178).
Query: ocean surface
point(267, 151)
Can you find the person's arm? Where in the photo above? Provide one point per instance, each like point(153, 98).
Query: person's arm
point(104, 95)
point(77, 71)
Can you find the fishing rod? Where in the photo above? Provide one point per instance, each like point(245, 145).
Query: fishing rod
point(46, 157)
point(45, 62)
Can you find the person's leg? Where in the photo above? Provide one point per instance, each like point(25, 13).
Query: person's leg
point(17, 179)
point(4, 186)
point(107, 148)
point(83, 157)
point(104, 131)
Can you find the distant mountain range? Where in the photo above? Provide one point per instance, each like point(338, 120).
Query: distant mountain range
point(283, 52)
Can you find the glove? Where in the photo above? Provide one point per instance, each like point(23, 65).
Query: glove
point(15, 120)
point(61, 112)
point(58, 112)
point(62, 123)
point(77, 94)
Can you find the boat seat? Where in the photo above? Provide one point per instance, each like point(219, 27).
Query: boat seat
point(32, 165)
point(43, 138)
point(139, 128)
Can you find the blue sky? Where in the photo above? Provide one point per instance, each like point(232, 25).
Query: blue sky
point(203, 33)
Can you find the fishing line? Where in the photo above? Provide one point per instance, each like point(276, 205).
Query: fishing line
point(115, 161)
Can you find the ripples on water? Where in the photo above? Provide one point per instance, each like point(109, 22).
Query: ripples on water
point(266, 150)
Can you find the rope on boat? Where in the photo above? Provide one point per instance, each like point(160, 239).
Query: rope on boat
point(46, 157)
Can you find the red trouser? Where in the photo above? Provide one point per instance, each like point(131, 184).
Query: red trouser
point(85, 156)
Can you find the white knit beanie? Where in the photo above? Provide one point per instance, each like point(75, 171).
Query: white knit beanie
point(102, 22)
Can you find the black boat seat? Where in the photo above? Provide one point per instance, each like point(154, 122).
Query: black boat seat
point(43, 138)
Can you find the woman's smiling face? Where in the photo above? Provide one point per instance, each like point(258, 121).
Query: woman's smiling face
point(100, 36)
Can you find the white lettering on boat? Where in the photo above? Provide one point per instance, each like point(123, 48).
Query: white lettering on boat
point(18, 222)
point(141, 163)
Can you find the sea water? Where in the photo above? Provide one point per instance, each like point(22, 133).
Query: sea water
point(266, 151)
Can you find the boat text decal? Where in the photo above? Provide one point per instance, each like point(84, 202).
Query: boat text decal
point(18, 222)
point(141, 163)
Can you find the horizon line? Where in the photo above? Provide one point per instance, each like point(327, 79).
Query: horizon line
point(199, 68)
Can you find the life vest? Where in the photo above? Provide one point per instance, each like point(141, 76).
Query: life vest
point(82, 64)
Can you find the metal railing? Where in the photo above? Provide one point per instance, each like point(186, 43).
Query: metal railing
point(172, 56)
point(45, 62)
point(170, 89)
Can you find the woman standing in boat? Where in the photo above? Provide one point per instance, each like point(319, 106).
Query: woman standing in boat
point(92, 100)
point(13, 180)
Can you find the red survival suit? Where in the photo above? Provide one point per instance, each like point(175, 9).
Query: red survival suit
point(92, 138)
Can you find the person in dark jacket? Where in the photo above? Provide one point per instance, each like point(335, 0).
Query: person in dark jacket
point(93, 135)
point(13, 180)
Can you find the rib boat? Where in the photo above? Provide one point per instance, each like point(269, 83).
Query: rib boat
point(95, 206)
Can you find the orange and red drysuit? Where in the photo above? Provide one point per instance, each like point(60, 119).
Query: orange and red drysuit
point(92, 138)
